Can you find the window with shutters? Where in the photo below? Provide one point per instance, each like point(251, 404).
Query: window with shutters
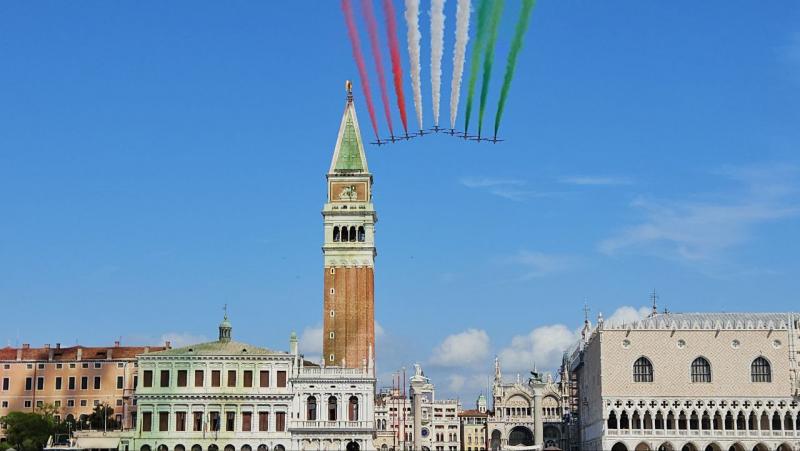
point(281, 376)
point(180, 421)
point(197, 421)
point(230, 421)
point(163, 421)
point(164, 378)
point(147, 380)
point(147, 421)
point(214, 419)
point(280, 421)
point(216, 376)
point(247, 421)
point(247, 378)
point(263, 421)
point(198, 378)
point(182, 378)
point(120, 382)
point(264, 378)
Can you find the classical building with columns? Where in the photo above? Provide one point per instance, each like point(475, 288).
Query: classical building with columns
point(689, 382)
point(529, 413)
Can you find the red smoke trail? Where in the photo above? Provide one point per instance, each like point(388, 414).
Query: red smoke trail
point(372, 29)
point(397, 68)
point(362, 68)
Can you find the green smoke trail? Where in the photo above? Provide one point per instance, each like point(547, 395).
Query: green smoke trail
point(497, 12)
point(480, 34)
point(516, 46)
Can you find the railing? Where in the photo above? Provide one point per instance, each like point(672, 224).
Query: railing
point(331, 425)
point(307, 371)
point(703, 432)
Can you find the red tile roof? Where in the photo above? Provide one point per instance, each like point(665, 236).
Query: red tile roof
point(472, 413)
point(71, 353)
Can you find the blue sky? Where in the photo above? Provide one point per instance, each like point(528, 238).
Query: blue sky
point(158, 160)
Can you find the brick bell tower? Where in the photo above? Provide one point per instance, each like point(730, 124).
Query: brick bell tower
point(349, 250)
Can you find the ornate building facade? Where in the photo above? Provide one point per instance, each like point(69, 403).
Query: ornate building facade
point(529, 413)
point(690, 382)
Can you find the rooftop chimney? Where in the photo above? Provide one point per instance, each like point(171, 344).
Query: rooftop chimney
point(116, 344)
point(58, 345)
point(109, 353)
point(19, 354)
point(168, 344)
point(80, 353)
point(26, 345)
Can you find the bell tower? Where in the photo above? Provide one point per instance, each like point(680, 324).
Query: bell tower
point(349, 250)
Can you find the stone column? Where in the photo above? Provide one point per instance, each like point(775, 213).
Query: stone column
point(538, 428)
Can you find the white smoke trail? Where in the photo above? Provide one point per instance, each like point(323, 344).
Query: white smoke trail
point(413, 36)
point(437, 48)
point(459, 52)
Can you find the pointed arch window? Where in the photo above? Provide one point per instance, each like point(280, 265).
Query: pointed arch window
point(701, 370)
point(642, 370)
point(760, 370)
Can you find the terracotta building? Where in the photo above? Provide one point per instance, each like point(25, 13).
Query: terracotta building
point(73, 380)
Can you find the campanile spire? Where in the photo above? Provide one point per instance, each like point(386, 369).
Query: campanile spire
point(349, 249)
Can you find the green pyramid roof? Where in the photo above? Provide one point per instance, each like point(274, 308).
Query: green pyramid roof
point(349, 154)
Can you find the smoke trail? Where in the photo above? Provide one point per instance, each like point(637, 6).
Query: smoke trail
point(459, 51)
point(474, 63)
point(516, 46)
point(437, 48)
point(397, 68)
point(413, 37)
point(372, 29)
point(497, 12)
point(362, 68)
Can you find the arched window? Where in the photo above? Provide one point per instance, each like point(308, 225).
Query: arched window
point(612, 420)
point(332, 408)
point(701, 370)
point(760, 370)
point(352, 233)
point(642, 370)
point(336, 234)
point(145, 448)
point(311, 408)
point(362, 235)
point(344, 233)
point(352, 409)
point(197, 447)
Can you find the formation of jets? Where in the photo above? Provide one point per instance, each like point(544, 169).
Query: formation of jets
point(436, 129)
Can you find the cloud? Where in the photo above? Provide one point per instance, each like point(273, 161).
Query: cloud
point(468, 348)
point(543, 346)
point(511, 189)
point(486, 182)
point(627, 314)
point(310, 342)
point(595, 181)
point(539, 264)
point(176, 339)
point(693, 230)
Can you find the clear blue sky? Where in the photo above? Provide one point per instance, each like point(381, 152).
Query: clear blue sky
point(158, 160)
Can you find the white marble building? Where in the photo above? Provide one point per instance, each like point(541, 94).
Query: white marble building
point(690, 382)
point(232, 396)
